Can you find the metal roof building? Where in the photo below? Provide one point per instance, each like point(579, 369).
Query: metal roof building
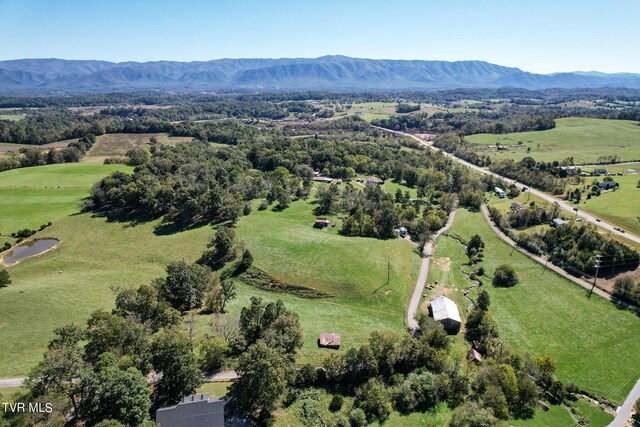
point(446, 312)
point(193, 411)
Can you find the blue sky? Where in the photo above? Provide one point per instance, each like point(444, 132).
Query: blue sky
point(536, 35)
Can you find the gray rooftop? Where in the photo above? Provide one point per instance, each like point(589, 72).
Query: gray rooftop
point(443, 308)
point(193, 411)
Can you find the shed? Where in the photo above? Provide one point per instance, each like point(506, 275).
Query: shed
point(516, 206)
point(321, 223)
point(402, 231)
point(193, 411)
point(557, 222)
point(607, 185)
point(474, 355)
point(446, 312)
point(329, 340)
point(373, 180)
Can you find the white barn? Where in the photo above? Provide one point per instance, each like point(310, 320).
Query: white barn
point(446, 312)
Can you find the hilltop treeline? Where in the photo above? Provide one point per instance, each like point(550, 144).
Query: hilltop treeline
point(195, 182)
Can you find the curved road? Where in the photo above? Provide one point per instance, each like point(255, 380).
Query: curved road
point(564, 205)
point(424, 271)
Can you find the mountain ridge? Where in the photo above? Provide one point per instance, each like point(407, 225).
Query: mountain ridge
point(331, 72)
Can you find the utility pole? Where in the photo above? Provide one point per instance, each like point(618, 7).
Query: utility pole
point(388, 270)
point(596, 276)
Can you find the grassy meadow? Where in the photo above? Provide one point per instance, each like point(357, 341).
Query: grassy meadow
point(34, 196)
point(621, 206)
point(352, 269)
point(117, 144)
point(68, 283)
point(581, 138)
point(595, 344)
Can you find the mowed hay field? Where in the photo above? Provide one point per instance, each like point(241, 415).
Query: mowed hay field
point(583, 139)
point(596, 345)
point(353, 269)
point(30, 197)
point(621, 206)
point(67, 284)
point(117, 144)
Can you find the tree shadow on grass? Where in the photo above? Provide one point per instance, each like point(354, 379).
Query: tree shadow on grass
point(126, 218)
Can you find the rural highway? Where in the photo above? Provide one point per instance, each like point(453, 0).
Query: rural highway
point(564, 205)
point(424, 271)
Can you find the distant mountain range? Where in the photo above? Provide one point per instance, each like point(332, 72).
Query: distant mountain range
point(334, 73)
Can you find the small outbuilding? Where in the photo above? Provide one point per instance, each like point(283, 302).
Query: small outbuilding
point(598, 171)
point(321, 223)
point(608, 185)
point(402, 231)
point(329, 340)
point(474, 355)
point(516, 206)
point(446, 312)
point(193, 411)
point(557, 222)
point(373, 181)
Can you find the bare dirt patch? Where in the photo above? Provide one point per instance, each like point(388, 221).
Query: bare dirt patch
point(388, 291)
point(117, 144)
point(443, 264)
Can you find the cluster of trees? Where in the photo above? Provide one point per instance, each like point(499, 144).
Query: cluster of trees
point(5, 279)
point(624, 288)
point(407, 108)
point(531, 215)
point(531, 173)
point(38, 157)
point(576, 248)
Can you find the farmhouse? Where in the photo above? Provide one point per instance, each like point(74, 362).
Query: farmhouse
point(321, 223)
point(568, 171)
point(329, 340)
point(446, 312)
point(557, 222)
point(599, 171)
point(193, 411)
point(516, 206)
point(607, 185)
point(373, 181)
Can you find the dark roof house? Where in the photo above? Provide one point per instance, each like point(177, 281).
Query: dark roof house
point(557, 222)
point(321, 223)
point(372, 180)
point(329, 340)
point(607, 185)
point(193, 411)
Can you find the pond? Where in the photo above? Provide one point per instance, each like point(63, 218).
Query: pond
point(27, 249)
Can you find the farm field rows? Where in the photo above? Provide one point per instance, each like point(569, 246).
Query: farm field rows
point(593, 342)
point(581, 138)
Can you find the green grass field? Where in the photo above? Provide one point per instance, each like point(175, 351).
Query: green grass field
point(117, 144)
point(352, 269)
point(583, 139)
point(620, 207)
point(12, 117)
point(34, 196)
point(67, 284)
point(594, 343)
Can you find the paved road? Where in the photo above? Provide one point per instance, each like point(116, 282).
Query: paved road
point(625, 410)
point(541, 260)
point(424, 271)
point(11, 382)
point(564, 205)
point(215, 378)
